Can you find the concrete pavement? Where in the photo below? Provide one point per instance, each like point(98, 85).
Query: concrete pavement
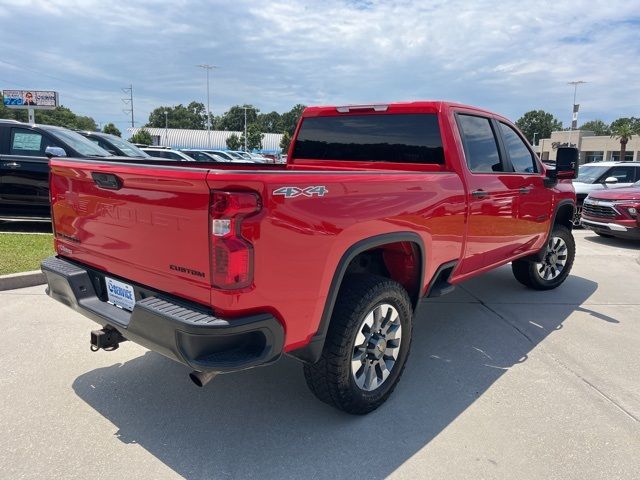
point(502, 382)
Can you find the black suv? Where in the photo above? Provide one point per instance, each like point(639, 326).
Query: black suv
point(114, 145)
point(24, 165)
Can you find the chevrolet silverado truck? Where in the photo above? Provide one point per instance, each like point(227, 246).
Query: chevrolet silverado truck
point(228, 267)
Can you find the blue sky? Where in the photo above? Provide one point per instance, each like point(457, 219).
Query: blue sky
point(507, 56)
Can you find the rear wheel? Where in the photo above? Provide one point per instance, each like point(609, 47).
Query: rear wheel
point(554, 267)
point(366, 347)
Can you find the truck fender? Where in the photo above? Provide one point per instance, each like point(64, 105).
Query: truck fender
point(312, 351)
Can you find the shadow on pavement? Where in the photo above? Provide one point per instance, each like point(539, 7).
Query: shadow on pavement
point(623, 243)
point(265, 423)
point(25, 227)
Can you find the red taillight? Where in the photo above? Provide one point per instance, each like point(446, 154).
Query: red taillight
point(232, 255)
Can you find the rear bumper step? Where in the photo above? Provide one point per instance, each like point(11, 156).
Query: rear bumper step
point(179, 330)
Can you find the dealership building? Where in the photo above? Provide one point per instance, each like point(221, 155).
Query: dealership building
point(215, 139)
point(592, 147)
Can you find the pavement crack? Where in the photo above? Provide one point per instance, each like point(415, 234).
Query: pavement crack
point(504, 319)
point(554, 359)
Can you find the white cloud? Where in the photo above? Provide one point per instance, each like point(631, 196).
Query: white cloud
point(509, 56)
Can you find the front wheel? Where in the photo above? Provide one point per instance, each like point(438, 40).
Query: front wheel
point(366, 346)
point(554, 266)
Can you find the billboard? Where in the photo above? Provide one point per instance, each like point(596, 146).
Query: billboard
point(37, 99)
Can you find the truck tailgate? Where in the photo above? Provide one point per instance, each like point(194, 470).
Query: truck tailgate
point(145, 224)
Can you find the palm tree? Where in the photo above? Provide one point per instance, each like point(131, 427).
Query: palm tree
point(623, 131)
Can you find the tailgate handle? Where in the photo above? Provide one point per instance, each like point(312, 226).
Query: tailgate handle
point(107, 180)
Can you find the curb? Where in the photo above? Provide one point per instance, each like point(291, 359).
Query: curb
point(22, 280)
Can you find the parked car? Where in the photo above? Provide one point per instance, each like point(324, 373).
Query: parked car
point(114, 144)
point(603, 176)
point(251, 157)
point(204, 156)
point(229, 156)
point(324, 259)
point(167, 154)
point(24, 166)
point(613, 212)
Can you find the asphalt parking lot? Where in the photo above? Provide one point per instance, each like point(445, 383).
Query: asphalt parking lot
point(502, 382)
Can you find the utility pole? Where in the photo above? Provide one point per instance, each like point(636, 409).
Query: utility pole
point(245, 128)
point(208, 67)
point(129, 101)
point(574, 114)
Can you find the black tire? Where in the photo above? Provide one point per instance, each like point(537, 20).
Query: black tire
point(527, 271)
point(331, 378)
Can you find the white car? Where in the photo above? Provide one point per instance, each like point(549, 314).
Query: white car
point(167, 154)
point(601, 176)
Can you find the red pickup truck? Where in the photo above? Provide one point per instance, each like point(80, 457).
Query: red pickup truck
point(326, 258)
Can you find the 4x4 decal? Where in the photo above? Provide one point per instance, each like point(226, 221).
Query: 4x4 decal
point(292, 192)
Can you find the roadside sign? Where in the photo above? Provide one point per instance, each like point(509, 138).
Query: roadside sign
point(36, 99)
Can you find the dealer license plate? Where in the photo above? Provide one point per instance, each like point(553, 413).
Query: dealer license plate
point(120, 294)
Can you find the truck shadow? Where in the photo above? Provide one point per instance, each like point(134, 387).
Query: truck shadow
point(265, 423)
point(624, 243)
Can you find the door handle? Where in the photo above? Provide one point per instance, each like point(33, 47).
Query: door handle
point(11, 164)
point(479, 193)
point(525, 190)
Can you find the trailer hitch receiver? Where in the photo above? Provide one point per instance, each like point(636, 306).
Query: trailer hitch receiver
point(108, 339)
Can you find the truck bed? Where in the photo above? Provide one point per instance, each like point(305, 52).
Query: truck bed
point(154, 229)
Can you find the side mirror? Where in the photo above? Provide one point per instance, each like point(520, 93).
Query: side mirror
point(611, 180)
point(567, 160)
point(55, 152)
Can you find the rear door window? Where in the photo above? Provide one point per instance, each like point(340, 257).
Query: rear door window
point(520, 156)
point(26, 142)
point(403, 138)
point(480, 146)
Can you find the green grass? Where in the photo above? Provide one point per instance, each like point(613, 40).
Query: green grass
point(23, 252)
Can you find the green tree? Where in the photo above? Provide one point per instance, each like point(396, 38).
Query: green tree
point(233, 142)
point(233, 119)
point(289, 120)
point(285, 141)
point(538, 122)
point(60, 116)
point(633, 121)
point(623, 132)
point(596, 126)
point(270, 122)
point(141, 136)
point(192, 116)
point(254, 137)
point(112, 129)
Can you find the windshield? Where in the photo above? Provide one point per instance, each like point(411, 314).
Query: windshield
point(590, 173)
point(82, 145)
point(127, 148)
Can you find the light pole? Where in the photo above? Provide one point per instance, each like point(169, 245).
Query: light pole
point(166, 126)
point(535, 134)
point(574, 113)
point(208, 67)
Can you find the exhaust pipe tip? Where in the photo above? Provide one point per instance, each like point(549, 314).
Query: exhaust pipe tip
point(202, 378)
